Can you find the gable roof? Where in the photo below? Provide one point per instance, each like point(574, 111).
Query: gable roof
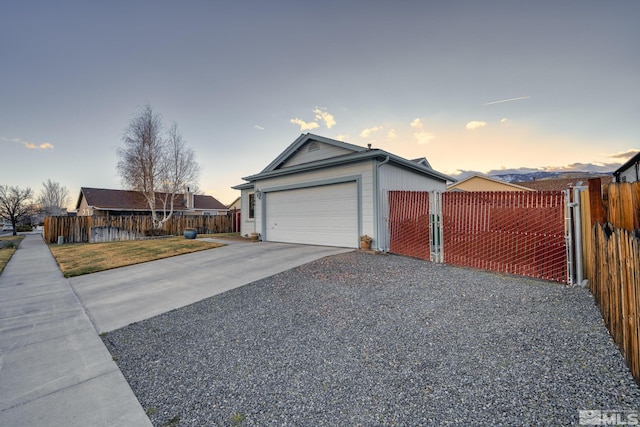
point(202, 201)
point(237, 200)
point(488, 180)
point(356, 154)
point(128, 200)
point(422, 161)
point(301, 141)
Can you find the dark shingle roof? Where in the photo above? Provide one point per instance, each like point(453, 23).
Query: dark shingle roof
point(103, 198)
point(201, 201)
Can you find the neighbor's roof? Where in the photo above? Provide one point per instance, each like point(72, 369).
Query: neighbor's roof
point(562, 183)
point(489, 180)
point(201, 201)
point(626, 165)
point(357, 154)
point(237, 200)
point(127, 200)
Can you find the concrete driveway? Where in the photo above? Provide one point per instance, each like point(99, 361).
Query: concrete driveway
point(116, 298)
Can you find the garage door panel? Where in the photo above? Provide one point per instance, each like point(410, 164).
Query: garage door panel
point(323, 215)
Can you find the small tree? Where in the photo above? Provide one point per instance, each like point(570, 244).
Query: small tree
point(53, 198)
point(15, 204)
point(156, 166)
point(181, 170)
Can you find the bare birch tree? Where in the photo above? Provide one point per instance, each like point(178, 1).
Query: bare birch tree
point(181, 169)
point(15, 204)
point(53, 198)
point(158, 167)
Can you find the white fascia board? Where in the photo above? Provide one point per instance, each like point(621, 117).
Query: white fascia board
point(350, 158)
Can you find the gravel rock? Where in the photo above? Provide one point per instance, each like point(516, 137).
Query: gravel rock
point(377, 340)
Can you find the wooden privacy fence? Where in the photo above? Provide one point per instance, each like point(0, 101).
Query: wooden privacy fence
point(615, 285)
point(622, 205)
point(94, 229)
point(614, 266)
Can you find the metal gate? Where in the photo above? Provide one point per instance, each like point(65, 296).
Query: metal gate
point(523, 233)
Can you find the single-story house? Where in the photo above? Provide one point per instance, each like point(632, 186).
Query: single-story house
point(102, 201)
point(477, 182)
point(321, 191)
point(629, 171)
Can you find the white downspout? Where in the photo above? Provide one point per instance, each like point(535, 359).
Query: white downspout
point(379, 207)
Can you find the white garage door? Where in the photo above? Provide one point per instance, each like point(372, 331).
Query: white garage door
point(325, 215)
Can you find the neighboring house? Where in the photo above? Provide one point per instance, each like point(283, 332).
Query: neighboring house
point(236, 205)
point(102, 201)
point(477, 182)
point(555, 184)
point(629, 171)
point(321, 191)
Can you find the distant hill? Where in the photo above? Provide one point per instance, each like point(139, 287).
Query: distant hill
point(541, 175)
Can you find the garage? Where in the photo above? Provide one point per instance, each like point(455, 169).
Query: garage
point(321, 191)
point(322, 215)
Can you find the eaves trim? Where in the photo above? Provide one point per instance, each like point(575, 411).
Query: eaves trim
point(349, 158)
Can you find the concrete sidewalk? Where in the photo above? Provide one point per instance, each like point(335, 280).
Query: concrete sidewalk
point(54, 368)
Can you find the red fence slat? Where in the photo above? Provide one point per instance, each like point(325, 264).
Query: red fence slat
point(511, 232)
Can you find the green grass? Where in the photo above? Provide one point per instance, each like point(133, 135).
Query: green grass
point(83, 258)
point(7, 252)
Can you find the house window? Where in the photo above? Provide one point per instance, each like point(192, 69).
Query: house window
point(252, 205)
point(207, 213)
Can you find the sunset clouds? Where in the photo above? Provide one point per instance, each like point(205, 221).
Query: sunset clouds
point(421, 135)
point(366, 133)
point(321, 115)
point(305, 125)
point(29, 145)
point(475, 124)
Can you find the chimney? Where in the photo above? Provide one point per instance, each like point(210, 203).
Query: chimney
point(189, 197)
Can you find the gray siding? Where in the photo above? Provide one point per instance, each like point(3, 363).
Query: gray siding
point(324, 151)
point(247, 226)
point(629, 174)
point(364, 172)
point(391, 177)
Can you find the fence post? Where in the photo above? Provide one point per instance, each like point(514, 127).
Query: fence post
point(577, 224)
point(568, 235)
point(435, 227)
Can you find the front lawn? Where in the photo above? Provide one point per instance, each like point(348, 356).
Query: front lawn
point(82, 258)
point(7, 249)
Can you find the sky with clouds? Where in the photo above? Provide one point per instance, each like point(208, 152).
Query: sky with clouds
point(470, 85)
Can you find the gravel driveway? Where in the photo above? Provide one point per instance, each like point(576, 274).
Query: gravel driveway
point(377, 340)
